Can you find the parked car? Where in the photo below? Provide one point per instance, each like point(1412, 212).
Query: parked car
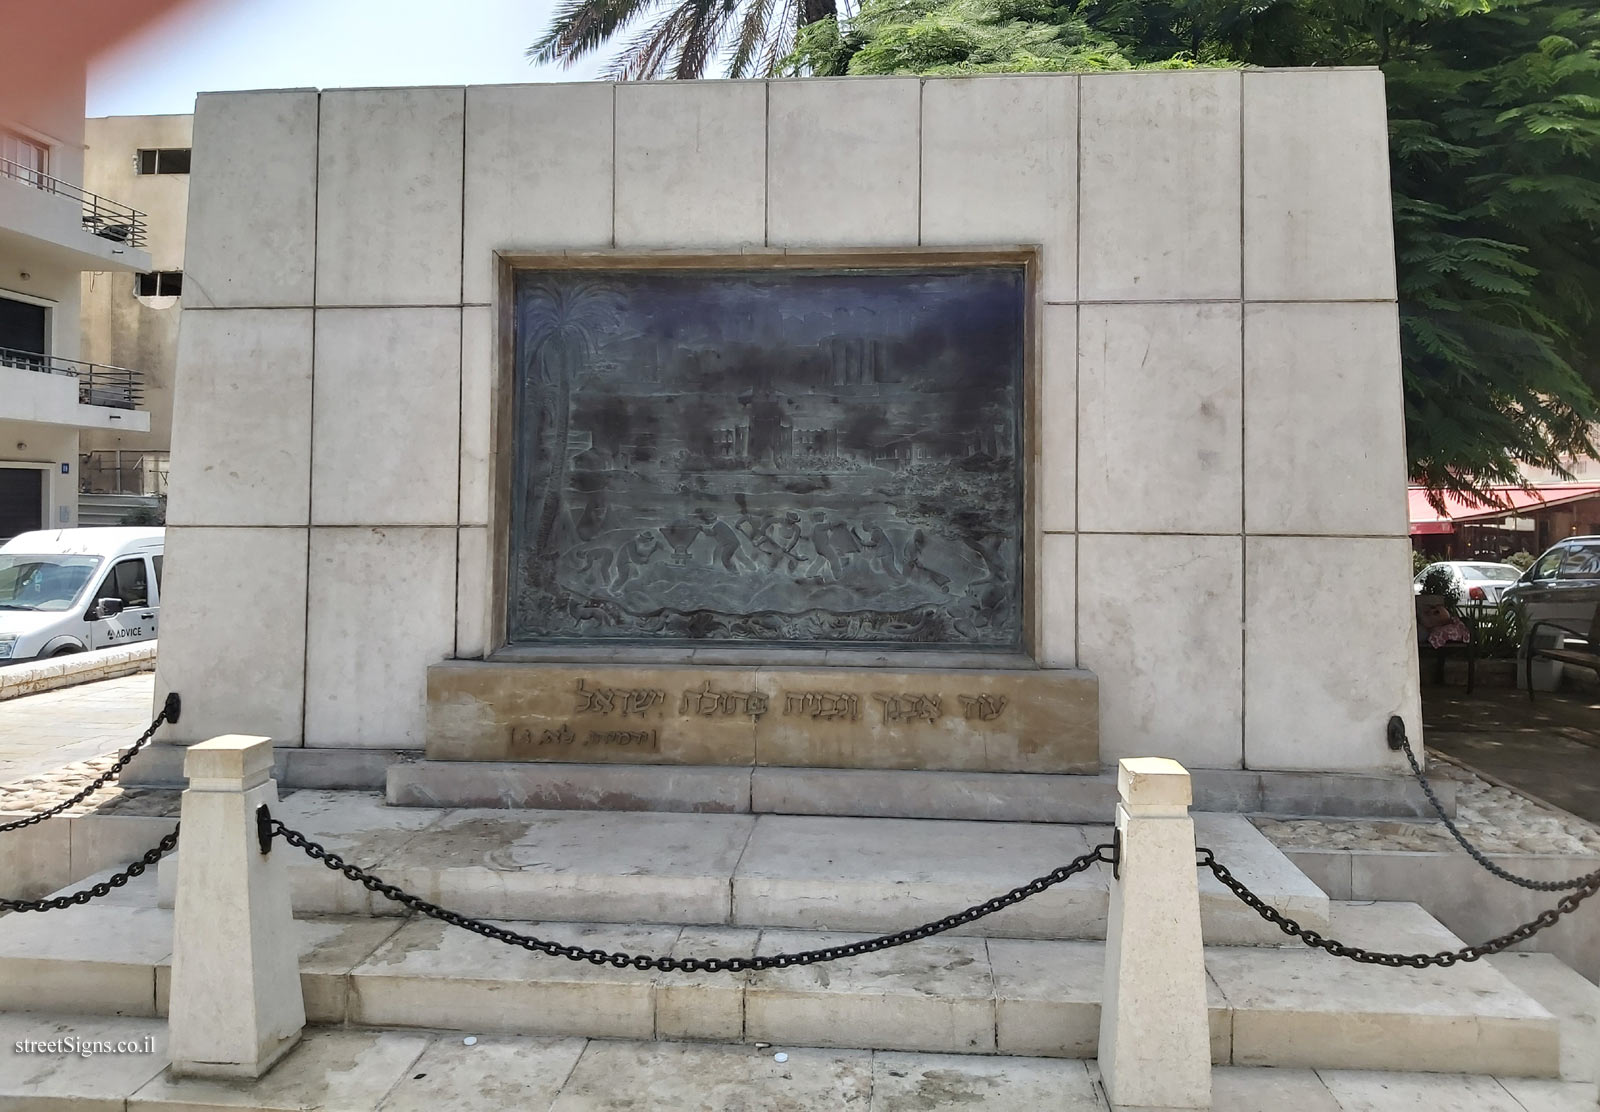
point(70, 590)
point(1480, 583)
point(1562, 586)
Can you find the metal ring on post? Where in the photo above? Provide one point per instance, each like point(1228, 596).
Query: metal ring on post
point(264, 828)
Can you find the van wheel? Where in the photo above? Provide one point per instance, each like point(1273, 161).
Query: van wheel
point(67, 651)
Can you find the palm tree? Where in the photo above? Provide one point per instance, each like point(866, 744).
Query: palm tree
point(561, 328)
point(681, 38)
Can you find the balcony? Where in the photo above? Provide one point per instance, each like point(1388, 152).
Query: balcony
point(98, 384)
point(67, 223)
point(102, 216)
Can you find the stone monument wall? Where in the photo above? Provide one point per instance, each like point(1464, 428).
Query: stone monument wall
point(1215, 486)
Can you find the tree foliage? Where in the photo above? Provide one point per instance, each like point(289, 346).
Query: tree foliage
point(679, 38)
point(1494, 120)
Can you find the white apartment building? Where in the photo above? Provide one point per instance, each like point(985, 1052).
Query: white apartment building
point(52, 232)
point(131, 320)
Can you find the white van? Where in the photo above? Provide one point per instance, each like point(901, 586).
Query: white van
point(71, 590)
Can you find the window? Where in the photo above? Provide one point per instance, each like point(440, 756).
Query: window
point(165, 160)
point(156, 560)
point(159, 283)
point(1546, 567)
point(127, 582)
point(1582, 562)
point(24, 159)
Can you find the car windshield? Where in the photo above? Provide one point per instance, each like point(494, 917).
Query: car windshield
point(1491, 571)
point(48, 582)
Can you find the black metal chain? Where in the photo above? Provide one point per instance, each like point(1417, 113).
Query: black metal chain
point(1567, 904)
point(373, 883)
point(1399, 741)
point(169, 713)
point(99, 888)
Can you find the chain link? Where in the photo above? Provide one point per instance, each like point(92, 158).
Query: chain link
point(1444, 958)
point(1587, 881)
point(619, 960)
point(169, 713)
point(99, 888)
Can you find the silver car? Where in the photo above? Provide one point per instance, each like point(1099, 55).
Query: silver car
point(1479, 583)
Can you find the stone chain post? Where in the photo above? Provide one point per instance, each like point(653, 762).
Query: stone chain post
point(1155, 1042)
point(236, 1006)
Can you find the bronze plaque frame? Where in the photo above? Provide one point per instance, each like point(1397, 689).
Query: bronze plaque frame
point(503, 422)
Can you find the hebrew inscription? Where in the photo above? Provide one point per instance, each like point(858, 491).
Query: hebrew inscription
point(767, 457)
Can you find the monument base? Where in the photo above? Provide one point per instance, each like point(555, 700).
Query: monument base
point(998, 719)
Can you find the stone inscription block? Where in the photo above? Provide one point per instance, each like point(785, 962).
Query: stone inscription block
point(1007, 720)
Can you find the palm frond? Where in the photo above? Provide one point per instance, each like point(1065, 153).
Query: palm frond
point(582, 26)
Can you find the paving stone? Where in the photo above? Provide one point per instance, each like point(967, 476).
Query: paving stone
point(330, 947)
point(932, 995)
point(433, 975)
point(1299, 1007)
point(886, 874)
point(1264, 869)
point(98, 959)
point(84, 1082)
point(330, 1071)
point(1417, 1092)
point(705, 1005)
point(494, 1073)
point(1572, 999)
point(1269, 1090)
point(1047, 999)
point(683, 1077)
point(919, 1082)
point(594, 866)
point(1538, 1095)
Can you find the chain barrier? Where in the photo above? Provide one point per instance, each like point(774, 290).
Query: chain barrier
point(99, 888)
point(1399, 742)
point(1444, 958)
point(169, 713)
point(270, 827)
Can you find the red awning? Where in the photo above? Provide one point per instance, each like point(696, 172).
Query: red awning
point(1425, 519)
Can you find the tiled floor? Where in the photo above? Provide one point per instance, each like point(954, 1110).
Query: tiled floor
point(40, 733)
point(345, 1069)
point(1548, 747)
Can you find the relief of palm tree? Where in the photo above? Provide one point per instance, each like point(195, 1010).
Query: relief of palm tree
point(561, 326)
point(680, 39)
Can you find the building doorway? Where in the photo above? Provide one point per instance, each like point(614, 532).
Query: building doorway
point(21, 500)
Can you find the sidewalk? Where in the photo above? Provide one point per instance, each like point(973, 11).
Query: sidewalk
point(358, 1070)
point(40, 733)
point(1549, 747)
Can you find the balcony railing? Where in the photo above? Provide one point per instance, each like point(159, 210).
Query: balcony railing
point(102, 216)
point(118, 471)
point(98, 384)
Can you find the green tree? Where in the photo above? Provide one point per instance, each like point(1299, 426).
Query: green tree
point(1494, 120)
point(680, 38)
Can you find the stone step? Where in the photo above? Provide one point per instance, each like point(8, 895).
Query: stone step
point(1268, 1006)
point(882, 793)
point(356, 1069)
point(802, 872)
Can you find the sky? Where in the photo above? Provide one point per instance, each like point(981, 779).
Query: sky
point(212, 45)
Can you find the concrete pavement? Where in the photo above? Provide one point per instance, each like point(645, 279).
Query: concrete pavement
point(1548, 747)
point(40, 733)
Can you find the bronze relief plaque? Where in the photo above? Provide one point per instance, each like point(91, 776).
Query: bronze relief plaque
point(768, 457)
